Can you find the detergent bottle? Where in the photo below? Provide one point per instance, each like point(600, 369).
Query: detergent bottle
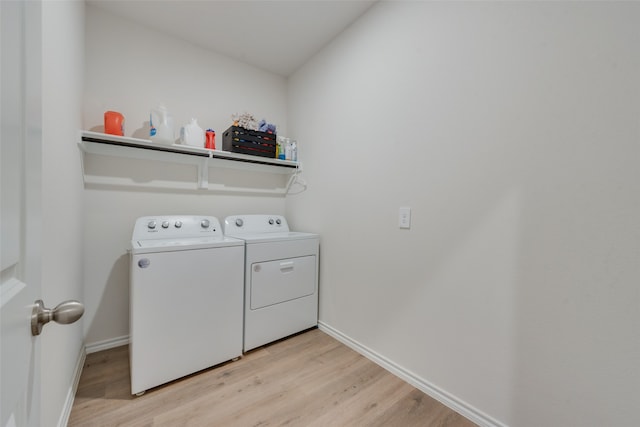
point(210, 139)
point(161, 126)
point(192, 134)
point(114, 123)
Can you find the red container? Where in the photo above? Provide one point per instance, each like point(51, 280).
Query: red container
point(210, 141)
point(113, 123)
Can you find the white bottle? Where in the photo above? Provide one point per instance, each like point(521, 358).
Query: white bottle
point(294, 150)
point(192, 134)
point(161, 126)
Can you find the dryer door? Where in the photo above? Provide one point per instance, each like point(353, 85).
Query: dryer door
point(274, 282)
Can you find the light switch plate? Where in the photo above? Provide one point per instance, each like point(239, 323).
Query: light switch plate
point(404, 217)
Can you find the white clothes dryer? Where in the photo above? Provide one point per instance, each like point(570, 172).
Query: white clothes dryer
point(186, 298)
point(280, 277)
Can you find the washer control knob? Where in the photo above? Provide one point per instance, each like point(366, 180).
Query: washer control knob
point(178, 224)
point(239, 222)
point(278, 221)
point(204, 223)
point(151, 225)
point(165, 224)
point(271, 221)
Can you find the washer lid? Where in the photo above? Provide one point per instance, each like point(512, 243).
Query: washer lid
point(170, 245)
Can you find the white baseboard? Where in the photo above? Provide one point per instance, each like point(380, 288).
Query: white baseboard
point(106, 344)
point(461, 407)
point(71, 394)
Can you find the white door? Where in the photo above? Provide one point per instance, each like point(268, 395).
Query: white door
point(20, 210)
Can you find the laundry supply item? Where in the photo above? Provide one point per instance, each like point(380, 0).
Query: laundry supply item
point(245, 120)
point(192, 134)
point(240, 140)
point(281, 143)
point(210, 139)
point(113, 123)
point(263, 126)
point(287, 149)
point(161, 126)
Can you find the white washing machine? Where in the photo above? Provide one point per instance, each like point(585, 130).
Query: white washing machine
point(280, 277)
point(186, 298)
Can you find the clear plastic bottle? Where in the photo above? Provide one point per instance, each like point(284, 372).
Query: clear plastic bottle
point(280, 144)
point(287, 149)
point(294, 150)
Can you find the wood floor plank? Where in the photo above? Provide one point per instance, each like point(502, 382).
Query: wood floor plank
point(365, 404)
point(306, 380)
point(269, 386)
point(299, 404)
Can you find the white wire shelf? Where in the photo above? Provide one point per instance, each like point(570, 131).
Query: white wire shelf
point(202, 158)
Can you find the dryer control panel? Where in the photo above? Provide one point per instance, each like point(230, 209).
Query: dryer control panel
point(253, 224)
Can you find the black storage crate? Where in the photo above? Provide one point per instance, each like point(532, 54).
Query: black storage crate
point(245, 141)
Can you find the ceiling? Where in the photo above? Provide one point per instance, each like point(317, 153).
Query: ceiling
point(275, 35)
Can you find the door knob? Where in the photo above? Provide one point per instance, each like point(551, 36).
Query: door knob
point(66, 312)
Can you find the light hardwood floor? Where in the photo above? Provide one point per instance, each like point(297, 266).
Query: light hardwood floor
point(306, 380)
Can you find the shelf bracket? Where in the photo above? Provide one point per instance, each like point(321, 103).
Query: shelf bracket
point(203, 174)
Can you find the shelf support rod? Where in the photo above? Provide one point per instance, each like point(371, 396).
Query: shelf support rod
point(203, 174)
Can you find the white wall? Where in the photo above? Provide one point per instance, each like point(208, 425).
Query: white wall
point(131, 69)
point(62, 245)
point(512, 130)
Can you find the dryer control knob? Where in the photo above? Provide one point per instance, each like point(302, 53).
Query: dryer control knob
point(271, 221)
point(278, 221)
point(204, 223)
point(165, 224)
point(151, 224)
point(239, 222)
point(178, 224)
